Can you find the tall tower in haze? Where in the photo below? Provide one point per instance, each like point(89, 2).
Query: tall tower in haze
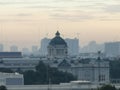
point(1, 48)
point(73, 46)
point(43, 48)
point(14, 48)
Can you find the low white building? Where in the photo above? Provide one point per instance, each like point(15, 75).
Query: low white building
point(11, 79)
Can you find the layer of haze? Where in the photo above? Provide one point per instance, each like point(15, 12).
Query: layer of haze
point(26, 22)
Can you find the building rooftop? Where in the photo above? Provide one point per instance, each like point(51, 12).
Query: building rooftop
point(57, 40)
point(10, 54)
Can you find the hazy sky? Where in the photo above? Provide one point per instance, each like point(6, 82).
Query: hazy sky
point(25, 22)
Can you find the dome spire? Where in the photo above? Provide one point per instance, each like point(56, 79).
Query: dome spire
point(57, 33)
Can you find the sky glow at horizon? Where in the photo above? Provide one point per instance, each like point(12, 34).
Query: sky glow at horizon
point(26, 22)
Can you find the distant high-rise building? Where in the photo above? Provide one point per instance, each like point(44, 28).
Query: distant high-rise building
point(112, 49)
point(14, 48)
point(92, 47)
point(1, 48)
point(44, 44)
point(73, 46)
point(34, 49)
point(25, 52)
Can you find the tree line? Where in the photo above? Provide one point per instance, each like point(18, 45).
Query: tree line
point(43, 74)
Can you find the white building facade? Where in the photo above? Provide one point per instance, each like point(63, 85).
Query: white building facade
point(94, 71)
point(11, 79)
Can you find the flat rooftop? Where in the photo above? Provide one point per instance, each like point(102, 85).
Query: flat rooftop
point(10, 54)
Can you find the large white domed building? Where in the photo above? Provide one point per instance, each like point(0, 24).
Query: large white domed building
point(96, 71)
point(57, 47)
point(93, 70)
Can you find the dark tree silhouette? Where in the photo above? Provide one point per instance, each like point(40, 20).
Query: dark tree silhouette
point(115, 69)
point(45, 74)
point(107, 87)
point(7, 70)
point(3, 87)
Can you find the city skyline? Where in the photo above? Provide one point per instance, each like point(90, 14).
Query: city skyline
point(15, 47)
point(26, 22)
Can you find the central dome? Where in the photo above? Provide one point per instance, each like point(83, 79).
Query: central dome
point(57, 40)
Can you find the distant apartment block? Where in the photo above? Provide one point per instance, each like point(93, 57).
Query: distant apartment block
point(1, 48)
point(35, 51)
point(44, 44)
point(73, 46)
point(112, 49)
point(92, 47)
point(25, 52)
point(14, 48)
